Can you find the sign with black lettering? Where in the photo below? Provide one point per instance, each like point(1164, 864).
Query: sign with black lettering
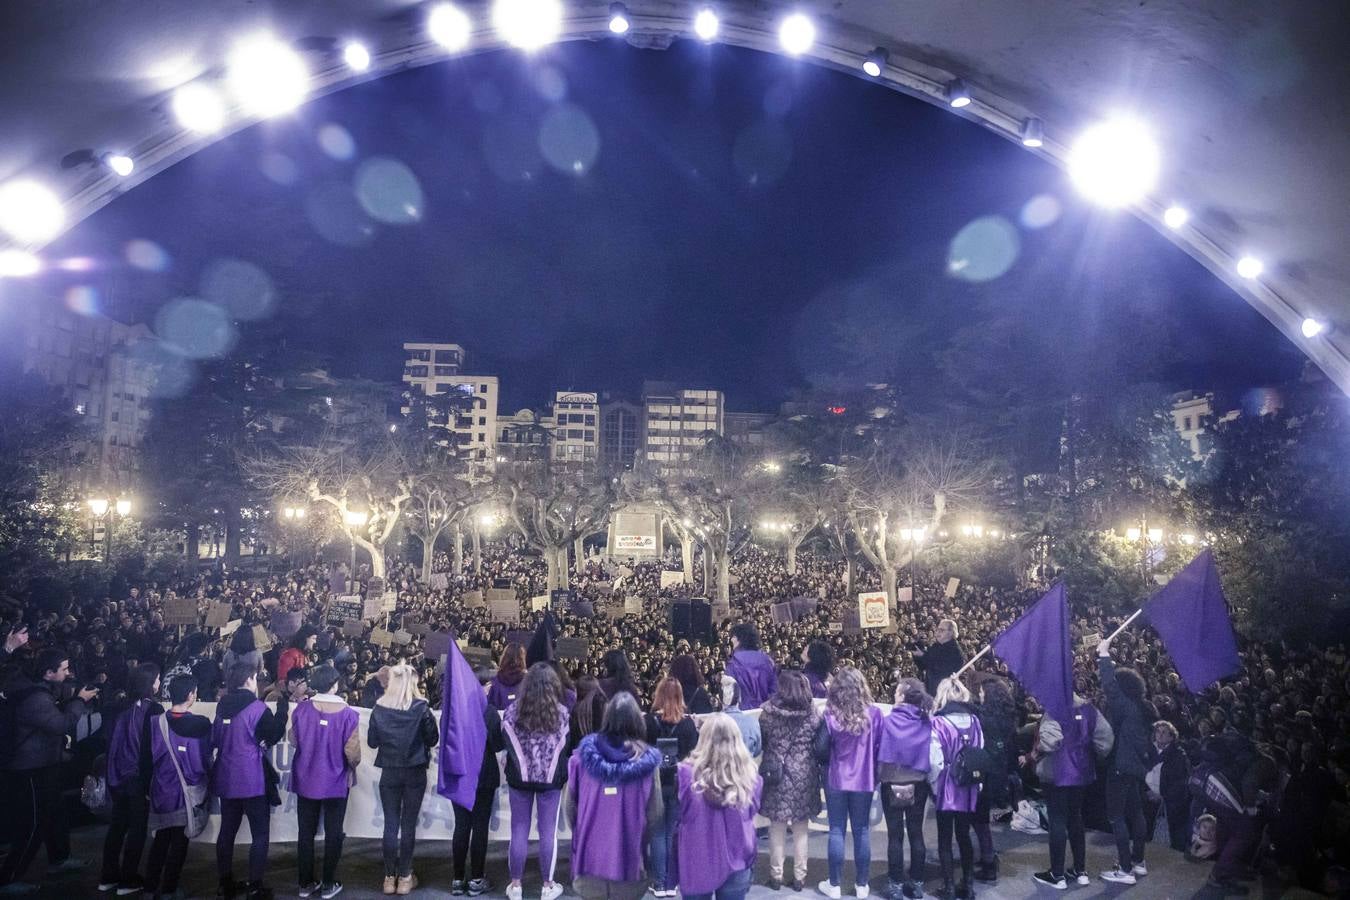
point(343, 609)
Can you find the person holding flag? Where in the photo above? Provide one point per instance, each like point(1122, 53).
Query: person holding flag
point(470, 739)
point(1130, 716)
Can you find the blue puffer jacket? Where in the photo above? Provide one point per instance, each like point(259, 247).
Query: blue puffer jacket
point(615, 765)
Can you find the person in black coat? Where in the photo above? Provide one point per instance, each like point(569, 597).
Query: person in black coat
point(942, 659)
point(1130, 716)
point(469, 847)
point(1172, 797)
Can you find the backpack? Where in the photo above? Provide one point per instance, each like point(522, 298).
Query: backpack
point(669, 745)
point(969, 763)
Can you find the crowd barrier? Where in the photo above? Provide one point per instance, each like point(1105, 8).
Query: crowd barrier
point(365, 817)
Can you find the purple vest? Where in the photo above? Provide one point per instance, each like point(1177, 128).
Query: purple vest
point(500, 696)
point(194, 756)
point(1073, 762)
point(319, 769)
point(853, 764)
point(124, 747)
point(238, 772)
point(819, 690)
point(714, 842)
point(755, 674)
point(611, 818)
point(950, 796)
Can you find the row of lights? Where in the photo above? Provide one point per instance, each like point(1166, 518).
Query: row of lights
point(99, 506)
point(1156, 535)
point(1114, 163)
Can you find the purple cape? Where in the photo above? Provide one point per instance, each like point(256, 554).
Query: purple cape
point(905, 736)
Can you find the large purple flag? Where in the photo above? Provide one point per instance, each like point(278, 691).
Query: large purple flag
point(463, 731)
point(1191, 616)
point(1037, 650)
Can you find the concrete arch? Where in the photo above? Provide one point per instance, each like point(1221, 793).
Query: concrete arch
point(1247, 99)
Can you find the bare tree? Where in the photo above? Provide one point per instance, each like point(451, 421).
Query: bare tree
point(551, 509)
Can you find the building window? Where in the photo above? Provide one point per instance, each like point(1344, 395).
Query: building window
point(482, 388)
point(421, 355)
point(482, 420)
point(590, 420)
point(590, 436)
point(574, 434)
point(1186, 423)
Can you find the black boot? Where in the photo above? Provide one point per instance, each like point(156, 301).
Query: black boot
point(228, 890)
point(947, 891)
point(987, 871)
point(259, 891)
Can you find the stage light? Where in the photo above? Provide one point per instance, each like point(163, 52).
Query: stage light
point(618, 18)
point(29, 212)
point(958, 95)
point(198, 107)
point(1033, 133)
point(118, 163)
point(356, 56)
point(796, 34)
point(1176, 217)
point(527, 24)
point(875, 63)
point(706, 24)
point(1250, 267)
point(1114, 163)
point(1313, 327)
point(18, 264)
point(267, 77)
point(449, 26)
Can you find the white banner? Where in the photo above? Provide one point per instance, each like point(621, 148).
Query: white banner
point(873, 611)
point(670, 579)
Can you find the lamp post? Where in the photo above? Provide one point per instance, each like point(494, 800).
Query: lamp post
point(914, 537)
point(354, 518)
point(104, 508)
point(1145, 536)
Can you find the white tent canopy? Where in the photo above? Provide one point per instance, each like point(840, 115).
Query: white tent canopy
point(1246, 98)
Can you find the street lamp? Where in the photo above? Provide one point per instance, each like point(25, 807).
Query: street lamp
point(103, 507)
point(355, 518)
point(1145, 536)
point(914, 537)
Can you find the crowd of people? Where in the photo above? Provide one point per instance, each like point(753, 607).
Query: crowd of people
point(685, 740)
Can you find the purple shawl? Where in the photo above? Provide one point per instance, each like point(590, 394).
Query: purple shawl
point(905, 736)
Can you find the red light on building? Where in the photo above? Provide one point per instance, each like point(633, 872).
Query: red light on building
point(836, 410)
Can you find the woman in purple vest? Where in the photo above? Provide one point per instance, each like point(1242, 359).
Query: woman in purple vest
point(904, 759)
point(510, 673)
point(753, 669)
point(613, 804)
point(535, 729)
point(129, 784)
point(852, 727)
point(955, 727)
point(1066, 764)
point(323, 769)
point(402, 732)
point(719, 792)
point(189, 742)
point(243, 777)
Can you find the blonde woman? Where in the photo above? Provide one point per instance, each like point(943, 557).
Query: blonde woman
point(402, 732)
point(852, 727)
point(956, 726)
point(719, 793)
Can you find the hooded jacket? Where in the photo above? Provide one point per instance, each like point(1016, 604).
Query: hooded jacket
point(609, 784)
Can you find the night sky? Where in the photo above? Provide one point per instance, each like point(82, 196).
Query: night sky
point(597, 214)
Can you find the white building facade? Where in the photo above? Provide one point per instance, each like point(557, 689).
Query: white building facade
point(576, 428)
point(465, 405)
point(678, 422)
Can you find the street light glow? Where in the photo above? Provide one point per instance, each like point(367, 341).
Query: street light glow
point(356, 517)
point(1155, 535)
point(98, 505)
point(796, 34)
point(449, 26)
point(119, 164)
point(527, 24)
point(267, 77)
point(706, 24)
point(124, 507)
point(30, 212)
point(1114, 163)
point(1133, 533)
point(618, 18)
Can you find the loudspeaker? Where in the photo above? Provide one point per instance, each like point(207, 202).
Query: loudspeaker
point(700, 617)
point(680, 614)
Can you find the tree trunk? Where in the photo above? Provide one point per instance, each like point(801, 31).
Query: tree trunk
point(724, 576)
point(791, 557)
point(193, 543)
point(556, 557)
point(233, 528)
point(477, 550)
point(459, 551)
point(428, 556)
point(377, 569)
point(687, 558)
point(579, 552)
point(888, 584)
point(564, 580)
point(707, 570)
point(848, 574)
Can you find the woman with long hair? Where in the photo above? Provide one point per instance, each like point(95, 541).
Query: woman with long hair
point(904, 759)
point(535, 729)
point(719, 793)
point(402, 732)
point(788, 723)
point(672, 731)
point(956, 726)
point(998, 720)
point(851, 729)
point(817, 664)
point(613, 780)
point(753, 669)
point(297, 651)
point(510, 673)
point(129, 782)
point(618, 674)
point(589, 710)
point(1131, 717)
point(684, 669)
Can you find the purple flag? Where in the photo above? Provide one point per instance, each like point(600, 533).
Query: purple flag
point(1191, 616)
point(1037, 650)
point(463, 731)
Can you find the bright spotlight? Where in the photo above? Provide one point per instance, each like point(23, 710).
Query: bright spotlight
point(618, 18)
point(797, 34)
point(958, 95)
point(1114, 163)
point(119, 164)
point(1175, 217)
point(875, 63)
point(527, 24)
point(706, 24)
point(1250, 267)
point(18, 264)
point(1033, 133)
point(198, 107)
point(356, 56)
point(1312, 327)
point(29, 212)
point(267, 77)
point(449, 26)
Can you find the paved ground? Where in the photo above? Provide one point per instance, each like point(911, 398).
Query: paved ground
point(1170, 875)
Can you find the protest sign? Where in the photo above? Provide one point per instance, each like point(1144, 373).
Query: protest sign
point(873, 610)
point(180, 611)
point(572, 648)
point(670, 579)
point(436, 644)
point(343, 609)
point(218, 614)
point(952, 585)
point(262, 642)
point(285, 623)
point(503, 605)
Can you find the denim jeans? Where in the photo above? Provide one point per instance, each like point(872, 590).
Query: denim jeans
point(1125, 809)
point(955, 824)
point(665, 872)
point(401, 791)
point(232, 815)
point(845, 809)
point(735, 887)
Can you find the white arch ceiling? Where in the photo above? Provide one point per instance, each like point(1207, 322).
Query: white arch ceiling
point(1247, 98)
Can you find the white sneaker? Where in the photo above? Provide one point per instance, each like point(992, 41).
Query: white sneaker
point(1083, 878)
point(513, 892)
point(551, 891)
point(829, 890)
point(861, 891)
point(1117, 876)
point(1139, 870)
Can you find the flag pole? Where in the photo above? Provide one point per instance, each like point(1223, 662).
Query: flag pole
point(971, 662)
point(1126, 624)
